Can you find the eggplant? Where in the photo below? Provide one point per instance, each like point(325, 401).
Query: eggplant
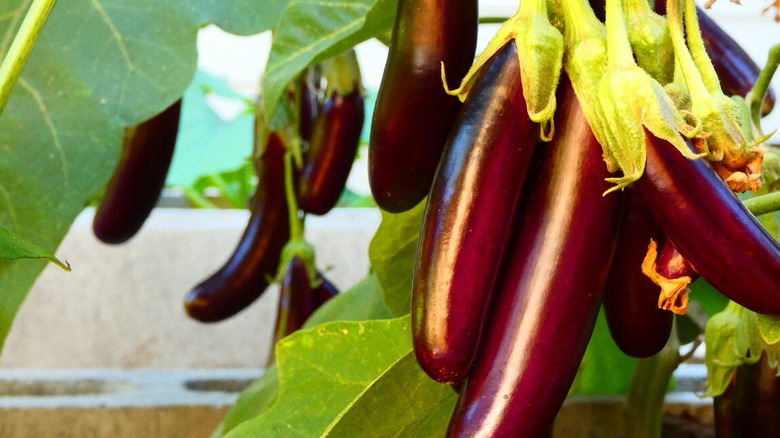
point(138, 180)
point(756, 402)
point(309, 101)
point(671, 264)
point(735, 68)
point(244, 277)
point(711, 227)
point(413, 113)
point(469, 217)
point(638, 326)
point(334, 141)
point(723, 408)
point(550, 291)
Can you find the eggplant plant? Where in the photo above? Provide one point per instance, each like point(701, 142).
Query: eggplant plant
point(576, 161)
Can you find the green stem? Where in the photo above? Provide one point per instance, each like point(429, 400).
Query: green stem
point(639, 7)
point(755, 98)
point(529, 7)
point(693, 79)
point(342, 73)
point(618, 47)
point(296, 227)
point(764, 204)
point(579, 18)
point(492, 20)
point(22, 46)
point(644, 407)
point(697, 49)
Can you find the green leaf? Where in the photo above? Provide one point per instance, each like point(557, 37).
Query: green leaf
point(360, 303)
point(99, 65)
point(710, 299)
point(392, 253)
point(604, 368)
point(411, 405)
point(13, 247)
point(311, 31)
point(323, 371)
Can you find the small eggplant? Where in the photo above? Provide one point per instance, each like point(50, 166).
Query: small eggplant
point(309, 101)
point(413, 114)
point(636, 323)
point(756, 402)
point(469, 218)
point(711, 227)
point(550, 290)
point(245, 275)
point(139, 177)
point(334, 142)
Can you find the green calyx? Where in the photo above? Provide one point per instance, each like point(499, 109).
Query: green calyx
point(736, 336)
point(540, 53)
point(303, 250)
point(342, 73)
point(649, 36)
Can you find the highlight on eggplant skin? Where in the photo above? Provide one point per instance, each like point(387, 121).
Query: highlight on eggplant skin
point(711, 227)
point(637, 325)
point(244, 277)
point(469, 218)
point(139, 178)
point(413, 114)
point(550, 290)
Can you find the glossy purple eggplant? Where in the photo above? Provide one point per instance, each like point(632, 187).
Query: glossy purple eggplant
point(550, 290)
point(256, 258)
point(139, 177)
point(735, 68)
point(334, 142)
point(636, 323)
point(469, 218)
point(309, 101)
point(413, 114)
point(756, 402)
point(671, 264)
point(711, 227)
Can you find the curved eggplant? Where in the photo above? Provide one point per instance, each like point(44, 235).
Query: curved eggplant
point(756, 402)
point(550, 289)
point(711, 227)
point(469, 218)
point(334, 142)
point(413, 114)
point(735, 68)
point(245, 275)
point(638, 326)
point(139, 177)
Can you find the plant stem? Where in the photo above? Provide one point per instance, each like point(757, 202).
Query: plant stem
point(296, 227)
point(755, 98)
point(579, 18)
point(644, 407)
point(697, 49)
point(764, 204)
point(22, 46)
point(695, 83)
point(618, 47)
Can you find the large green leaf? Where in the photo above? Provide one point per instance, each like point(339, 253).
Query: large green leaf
point(392, 253)
point(99, 65)
point(322, 371)
point(13, 248)
point(310, 31)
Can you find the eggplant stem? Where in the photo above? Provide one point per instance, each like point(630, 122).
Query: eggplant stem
point(764, 204)
point(296, 225)
point(698, 90)
point(755, 97)
point(579, 18)
point(22, 46)
point(618, 47)
point(644, 406)
point(697, 49)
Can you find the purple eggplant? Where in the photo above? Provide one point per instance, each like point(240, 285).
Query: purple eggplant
point(469, 218)
point(256, 258)
point(756, 402)
point(711, 227)
point(723, 408)
point(309, 101)
point(139, 177)
point(413, 114)
point(334, 142)
point(549, 292)
point(636, 323)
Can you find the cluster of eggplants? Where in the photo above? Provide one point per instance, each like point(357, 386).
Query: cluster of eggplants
point(413, 114)
point(750, 405)
point(138, 180)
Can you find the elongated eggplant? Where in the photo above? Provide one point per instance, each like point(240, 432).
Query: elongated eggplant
point(636, 323)
point(334, 142)
point(413, 114)
point(256, 258)
point(711, 227)
point(756, 402)
point(735, 68)
point(549, 292)
point(298, 299)
point(309, 101)
point(723, 407)
point(139, 177)
point(469, 218)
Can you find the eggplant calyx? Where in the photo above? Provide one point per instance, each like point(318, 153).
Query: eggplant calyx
point(649, 36)
point(748, 177)
point(674, 291)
